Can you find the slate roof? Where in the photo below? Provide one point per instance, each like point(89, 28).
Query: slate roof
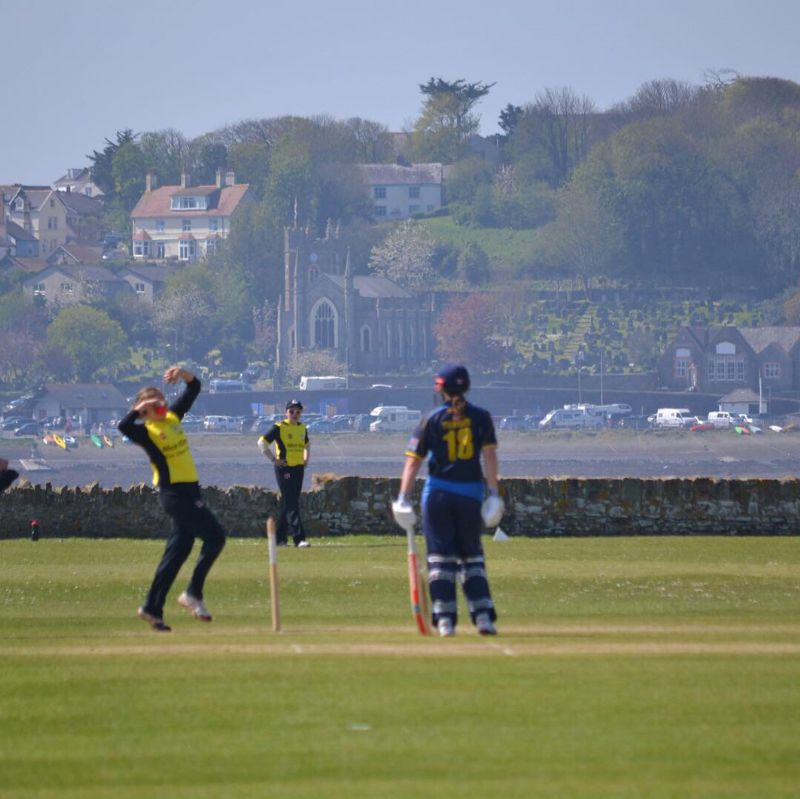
point(155, 274)
point(89, 395)
point(81, 253)
point(373, 287)
point(759, 338)
point(740, 395)
point(394, 174)
point(17, 232)
point(81, 203)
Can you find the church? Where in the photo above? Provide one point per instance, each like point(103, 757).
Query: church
point(371, 324)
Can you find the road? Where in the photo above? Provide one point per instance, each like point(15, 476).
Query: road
point(232, 459)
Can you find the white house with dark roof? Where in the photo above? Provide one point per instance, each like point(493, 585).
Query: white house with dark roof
point(146, 280)
point(369, 323)
point(186, 222)
point(78, 180)
point(398, 192)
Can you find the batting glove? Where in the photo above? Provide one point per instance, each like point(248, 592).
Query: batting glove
point(403, 512)
point(492, 509)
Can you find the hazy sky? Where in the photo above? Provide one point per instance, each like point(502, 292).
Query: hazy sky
point(77, 72)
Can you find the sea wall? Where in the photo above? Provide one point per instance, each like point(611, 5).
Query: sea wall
point(359, 505)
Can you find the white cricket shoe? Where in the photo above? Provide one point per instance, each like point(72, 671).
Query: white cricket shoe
point(485, 624)
point(195, 606)
point(302, 544)
point(445, 627)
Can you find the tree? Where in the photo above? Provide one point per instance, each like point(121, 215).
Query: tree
point(103, 161)
point(95, 343)
point(658, 98)
point(446, 121)
point(405, 256)
point(314, 362)
point(555, 132)
point(464, 329)
point(473, 263)
point(585, 237)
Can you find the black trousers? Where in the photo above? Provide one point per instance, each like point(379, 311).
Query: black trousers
point(290, 485)
point(183, 503)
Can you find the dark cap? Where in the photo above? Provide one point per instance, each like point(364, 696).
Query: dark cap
point(452, 378)
point(294, 404)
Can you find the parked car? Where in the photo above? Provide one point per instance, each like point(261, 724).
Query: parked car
point(13, 422)
point(191, 423)
point(28, 429)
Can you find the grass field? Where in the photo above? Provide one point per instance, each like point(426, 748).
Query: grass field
point(658, 667)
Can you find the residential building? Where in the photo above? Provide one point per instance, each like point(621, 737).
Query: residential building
point(78, 181)
point(146, 280)
point(722, 358)
point(370, 324)
point(399, 191)
point(184, 223)
point(52, 217)
point(69, 284)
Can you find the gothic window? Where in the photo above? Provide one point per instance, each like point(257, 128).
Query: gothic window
point(324, 320)
point(366, 339)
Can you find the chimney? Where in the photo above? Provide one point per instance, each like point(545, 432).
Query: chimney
point(230, 178)
point(186, 180)
point(219, 178)
point(150, 181)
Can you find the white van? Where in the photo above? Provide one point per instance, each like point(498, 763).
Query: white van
point(674, 417)
point(721, 419)
point(572, 418)
point(221, 424)
point(393, 419)
point(317, 382)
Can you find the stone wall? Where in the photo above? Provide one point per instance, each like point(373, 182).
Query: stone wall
point(355, 505)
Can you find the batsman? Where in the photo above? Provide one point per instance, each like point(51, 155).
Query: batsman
point(454, 438)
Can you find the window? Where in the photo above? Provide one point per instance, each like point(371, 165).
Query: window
point(366, 342)
point(727, 368)
point(19, 204)
point(52, 203)
point(138, 288)
point(388, 341)
point(324, 326)
point(39, 290)
point(66, 288)
point(681, 367)
point(160, 249)
point(211, 246)
point(380, 210)
point(183, 203)
point(772, 369)
point(141, 248)
point(413, 192)
point(187, 249)
point(187, 225)
point(159, 225)
point(213, 224)
point(379, 193)
point(399, 339)
point(313, 274)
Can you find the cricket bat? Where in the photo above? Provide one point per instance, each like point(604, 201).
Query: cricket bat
point(274, 594)
point(418, 585)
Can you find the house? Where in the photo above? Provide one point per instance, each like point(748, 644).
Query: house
point(52, 217)
point(73, 254)
point(78, 181)
point(91, 402)
point(185, 222)
point(743, 400)
point(399, 191)
point(146, 280)
point(724, 357)
point(369, 324)
point(68, 284)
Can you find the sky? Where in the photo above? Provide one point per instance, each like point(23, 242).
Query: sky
point(78, 72)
